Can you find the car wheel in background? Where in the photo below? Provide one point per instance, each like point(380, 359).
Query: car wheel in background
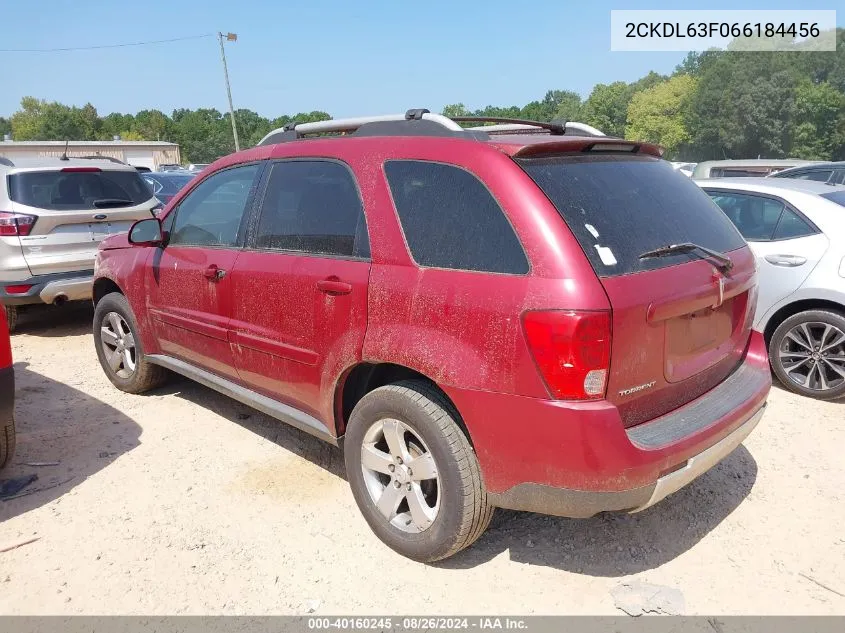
point(7, 442)
point(807, 353)
point(11, 318)
point(413, 472)
point(119, 347)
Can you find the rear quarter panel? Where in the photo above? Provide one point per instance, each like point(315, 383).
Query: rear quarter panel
point(463, 328)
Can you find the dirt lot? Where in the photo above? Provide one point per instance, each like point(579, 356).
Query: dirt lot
point(185, 502)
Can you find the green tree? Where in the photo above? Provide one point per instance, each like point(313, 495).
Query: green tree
point(152, 125)
point(819, 121)
point(5, 126)
point(657, 114)
point(607, 108)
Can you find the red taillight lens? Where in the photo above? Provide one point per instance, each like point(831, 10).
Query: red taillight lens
point(16, 223)
point(81, 169)
point(20, 289)
point(572, 351)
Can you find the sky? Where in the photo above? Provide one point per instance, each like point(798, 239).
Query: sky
point(346, 58)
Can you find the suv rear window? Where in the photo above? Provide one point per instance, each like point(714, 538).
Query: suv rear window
point(620, 206)
point(74, 190)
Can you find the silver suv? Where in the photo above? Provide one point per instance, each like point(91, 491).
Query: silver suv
point(54, 212)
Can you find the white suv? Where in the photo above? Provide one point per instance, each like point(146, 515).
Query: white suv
point(54, 212)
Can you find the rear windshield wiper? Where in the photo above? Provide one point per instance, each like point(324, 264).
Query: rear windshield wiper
point(721, 261)
point(105, 203)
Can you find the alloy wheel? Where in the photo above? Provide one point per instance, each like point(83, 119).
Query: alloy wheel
point(119, 345)
point(812, 355)
point(401, 475)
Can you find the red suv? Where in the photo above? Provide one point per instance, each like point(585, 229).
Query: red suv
point(7, 394)
point(516, 316)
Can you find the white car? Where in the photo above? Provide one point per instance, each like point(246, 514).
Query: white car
point(796, 228)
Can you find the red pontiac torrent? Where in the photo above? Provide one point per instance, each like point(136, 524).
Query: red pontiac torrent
point(521, 315)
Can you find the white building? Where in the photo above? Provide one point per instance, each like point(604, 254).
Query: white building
point(149, 154)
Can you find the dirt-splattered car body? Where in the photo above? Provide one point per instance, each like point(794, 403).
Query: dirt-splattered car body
point(582, 388)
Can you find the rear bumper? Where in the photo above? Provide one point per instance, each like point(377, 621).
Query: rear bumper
point(7, 395)
point(578, 459)
point(72, 286)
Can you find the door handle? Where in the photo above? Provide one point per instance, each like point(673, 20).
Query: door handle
point(787, 261)
point(334, 286)
point(213, 273)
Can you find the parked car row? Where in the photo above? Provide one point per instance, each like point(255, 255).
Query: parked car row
point(521, 315)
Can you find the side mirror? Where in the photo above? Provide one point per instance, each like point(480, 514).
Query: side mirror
point(146, 233)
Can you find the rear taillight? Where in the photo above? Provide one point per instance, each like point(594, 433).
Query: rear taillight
point(19, 289)
point(16, 223)
point(572, 351)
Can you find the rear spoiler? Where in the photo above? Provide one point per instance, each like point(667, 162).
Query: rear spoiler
point(589, 145)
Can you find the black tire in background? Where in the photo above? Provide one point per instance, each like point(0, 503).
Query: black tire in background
point(464, 512)
point(7, 442)
point(146, 376)
point(781, 344)
point(11, 318)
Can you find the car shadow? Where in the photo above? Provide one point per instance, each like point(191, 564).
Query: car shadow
point(777, 384)
point(318, 452)
point(608, 545)
point(72, 319)
point(613, 545)
point(57, 423)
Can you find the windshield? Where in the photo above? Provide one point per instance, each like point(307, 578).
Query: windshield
point(77, 190)
point(620, 206)
point(172, 185)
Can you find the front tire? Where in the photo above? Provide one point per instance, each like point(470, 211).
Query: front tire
point(413, 472)
point(119, 347)
point(807, 353)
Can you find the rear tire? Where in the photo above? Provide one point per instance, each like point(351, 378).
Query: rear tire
point(119, 347)
point(802, 347)
point(7, 443)
point(11, 318)
point(450, 506)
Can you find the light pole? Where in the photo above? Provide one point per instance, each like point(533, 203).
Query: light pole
point(230, 37)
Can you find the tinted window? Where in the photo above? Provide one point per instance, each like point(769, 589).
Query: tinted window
point(76, 190)
point(211, 214)
point(619, 206)
point(451, 220)
point(756, 217)
point(792, 226)
point(819, 176)
point(313, 207)
point(835, 196)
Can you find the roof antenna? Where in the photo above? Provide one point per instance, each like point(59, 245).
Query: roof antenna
point(64, 155)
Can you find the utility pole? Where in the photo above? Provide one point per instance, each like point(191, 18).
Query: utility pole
point(230, 37)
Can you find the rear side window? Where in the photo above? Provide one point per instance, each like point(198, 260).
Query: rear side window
point(313, 206)
point(761, 219)
point(620, 206)
point(755, 216)
point(78, 190)
point(792, 226)
point(451, 220)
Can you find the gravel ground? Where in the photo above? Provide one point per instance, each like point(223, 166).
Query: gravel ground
point(182, 501)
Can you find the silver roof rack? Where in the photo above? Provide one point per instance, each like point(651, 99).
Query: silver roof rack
point(421, 122)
